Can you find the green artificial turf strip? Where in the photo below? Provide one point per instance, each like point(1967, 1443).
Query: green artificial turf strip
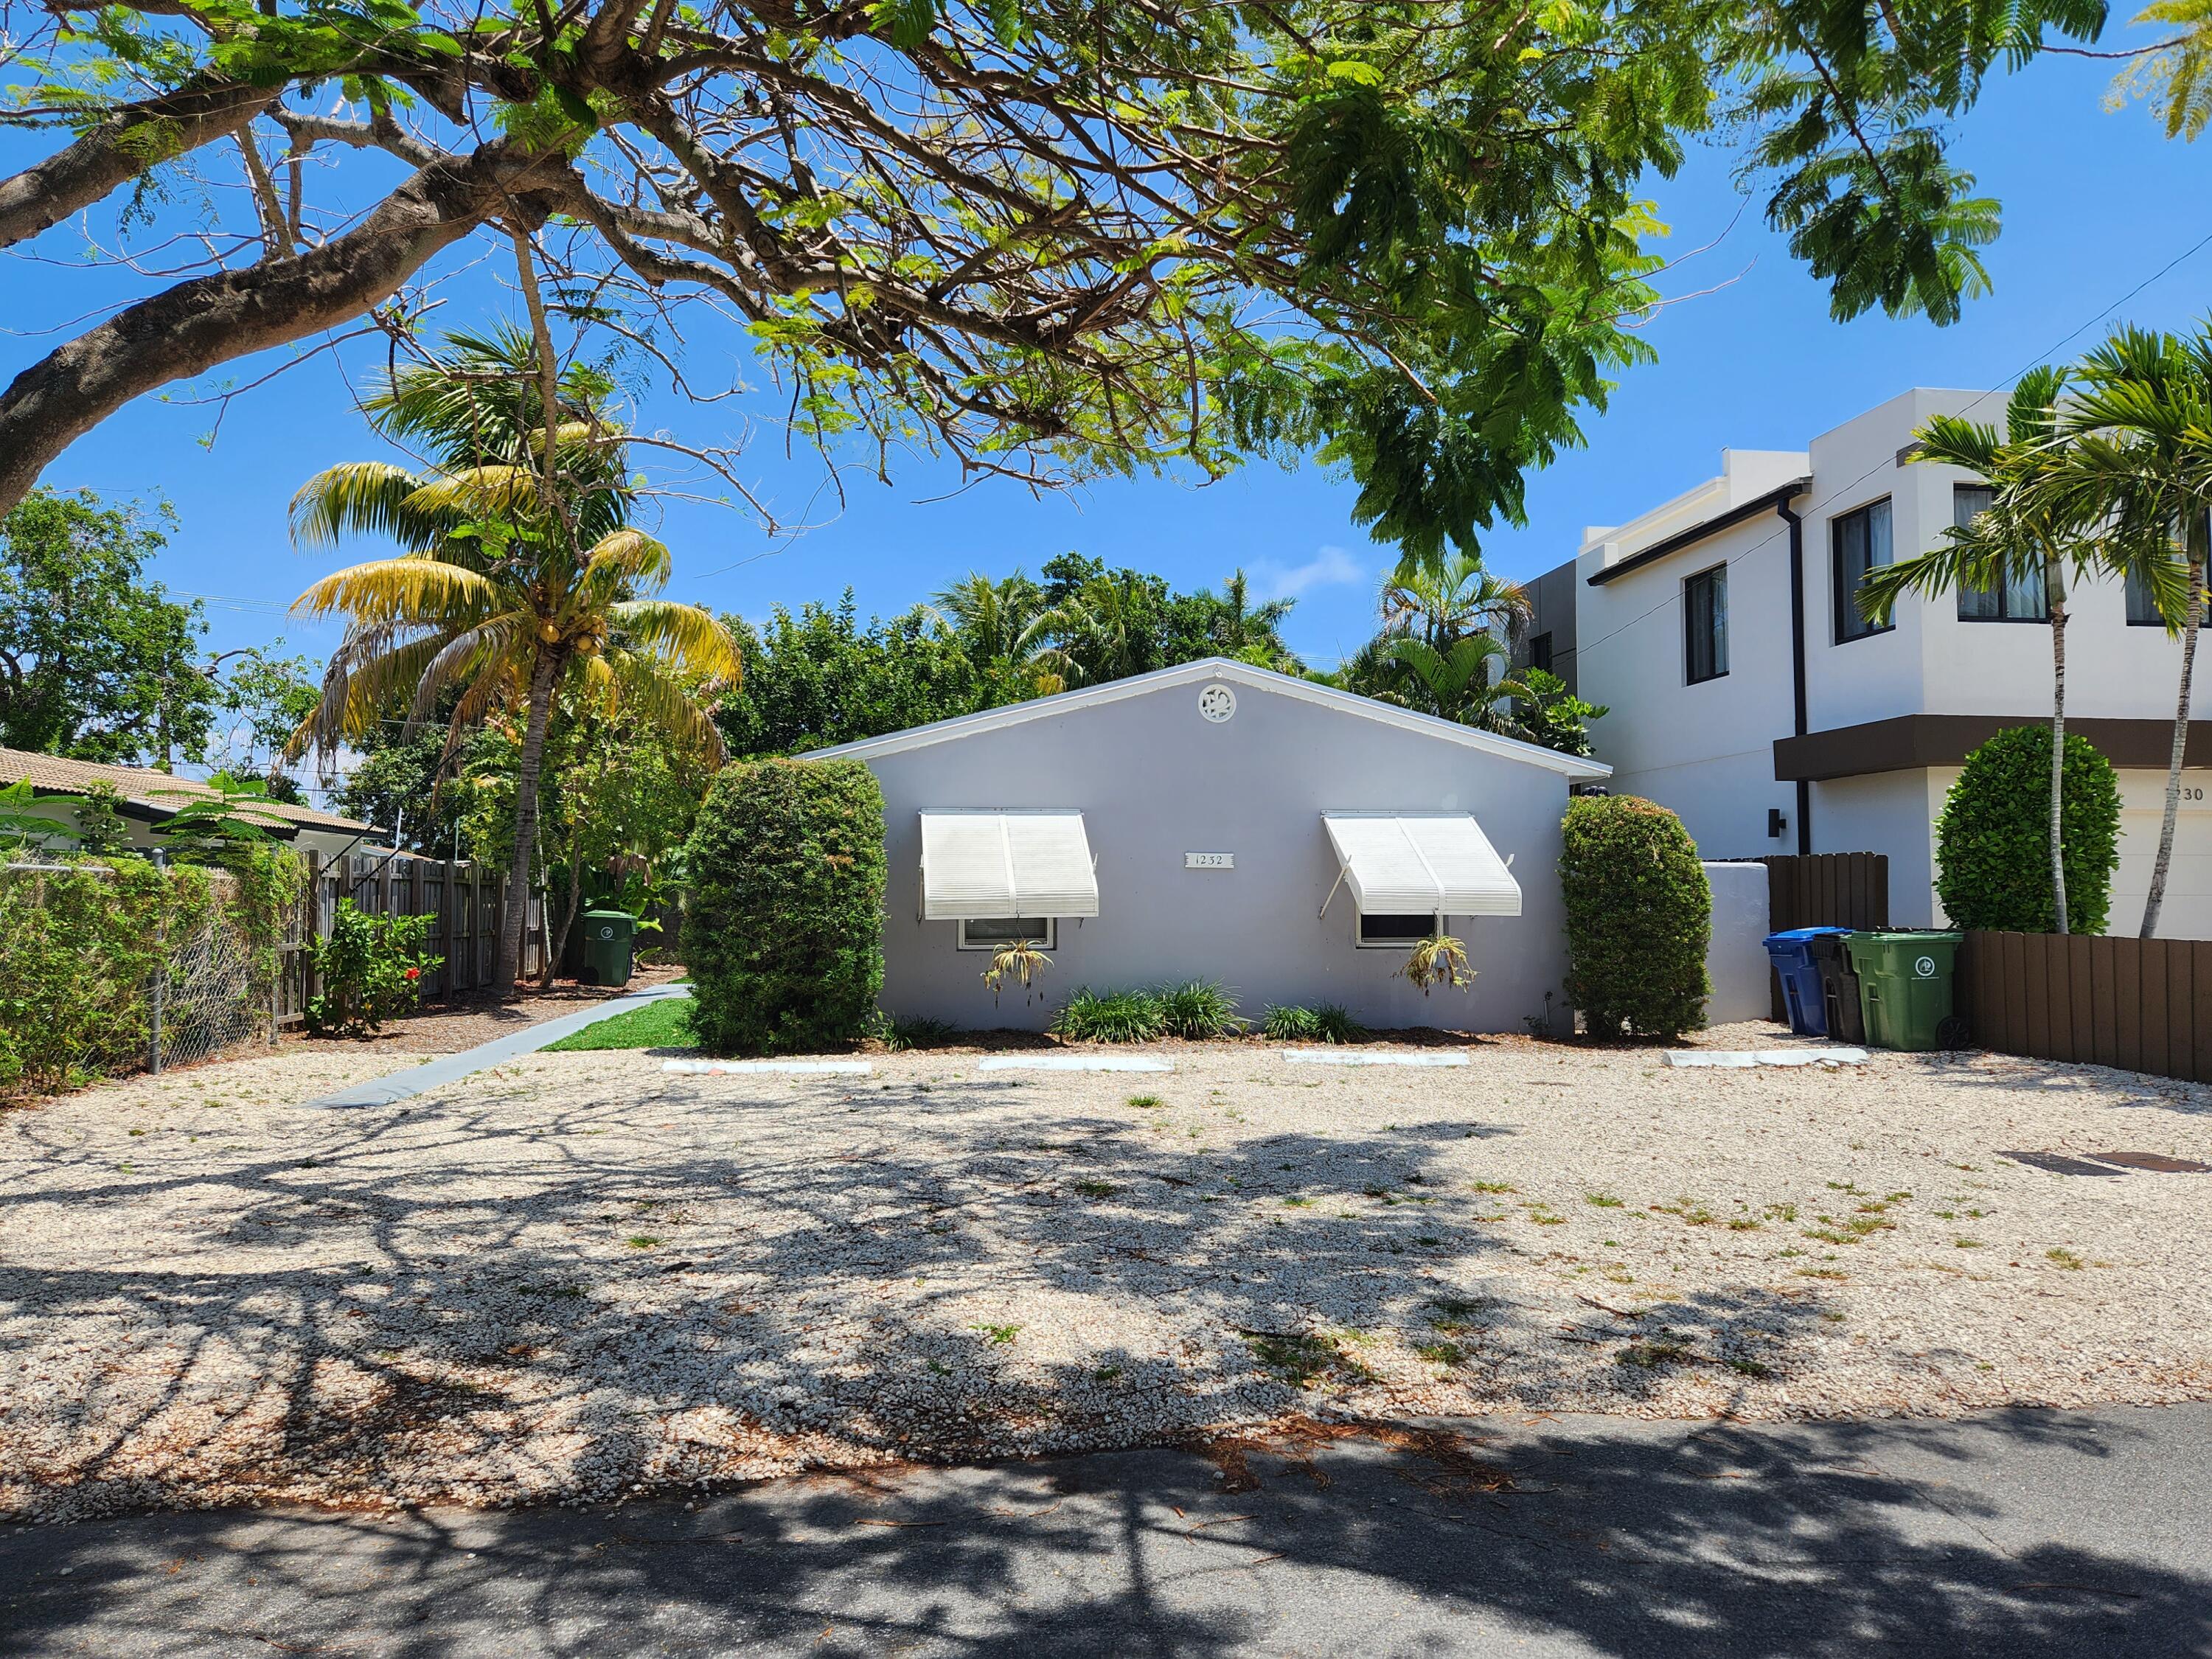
point(663, 1024)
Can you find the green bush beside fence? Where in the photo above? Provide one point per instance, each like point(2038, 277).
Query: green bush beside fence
point(1639, 916)
point(784, 933)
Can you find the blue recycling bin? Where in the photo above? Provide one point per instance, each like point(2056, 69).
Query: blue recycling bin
point(1791, 953)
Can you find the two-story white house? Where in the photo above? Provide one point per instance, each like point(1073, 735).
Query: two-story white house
point(1749, 695)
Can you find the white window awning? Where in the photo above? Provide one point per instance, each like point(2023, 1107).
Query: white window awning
point(978, 864)
point(1421, 863)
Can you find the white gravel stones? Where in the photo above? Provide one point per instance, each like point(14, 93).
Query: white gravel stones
point(1745, 1059)
point(577, 1274)
point(1375, 1056)
point(792, 1067)
point(1074, 1063)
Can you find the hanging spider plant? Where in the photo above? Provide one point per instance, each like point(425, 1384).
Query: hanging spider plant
point(1438, 961)
point(1019, 960)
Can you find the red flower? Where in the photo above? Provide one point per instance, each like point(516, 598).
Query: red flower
point(414, 972)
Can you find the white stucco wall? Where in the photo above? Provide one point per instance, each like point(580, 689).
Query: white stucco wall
point(1735, 957)
point(1154, 780)
point(1706, 750)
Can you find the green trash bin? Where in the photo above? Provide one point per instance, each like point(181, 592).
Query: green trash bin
point(609, 936)
point(1905, 987)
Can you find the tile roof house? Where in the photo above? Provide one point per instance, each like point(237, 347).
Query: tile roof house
point(147, 797)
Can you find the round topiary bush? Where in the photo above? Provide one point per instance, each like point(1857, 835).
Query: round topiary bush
point(1993, 838)
point(1639, 913)
point(785, 931)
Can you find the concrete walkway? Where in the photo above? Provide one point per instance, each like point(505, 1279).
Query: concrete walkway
point(449, 1068)
point(2023, 1535)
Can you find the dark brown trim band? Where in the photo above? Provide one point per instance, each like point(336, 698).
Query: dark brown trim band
point(1911, 741)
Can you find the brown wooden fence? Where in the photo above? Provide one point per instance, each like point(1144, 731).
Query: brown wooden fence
point(1824, 890)
point(464, 900)
point(2143, 1004)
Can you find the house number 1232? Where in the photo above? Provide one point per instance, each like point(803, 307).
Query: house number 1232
point(1209, 860)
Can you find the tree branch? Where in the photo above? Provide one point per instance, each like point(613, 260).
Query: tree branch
point(194, 325)
point(120, 148)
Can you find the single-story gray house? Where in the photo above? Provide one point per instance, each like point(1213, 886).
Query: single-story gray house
point(1218, 821)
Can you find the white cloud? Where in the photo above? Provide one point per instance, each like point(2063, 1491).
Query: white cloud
point(1330, 567)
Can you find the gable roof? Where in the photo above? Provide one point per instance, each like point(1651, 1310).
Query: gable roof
point(1193, 673)
point(155, 794)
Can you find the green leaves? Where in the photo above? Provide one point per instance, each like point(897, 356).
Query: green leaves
point(908, 23)
point(1993, 836)
point(1852, 107)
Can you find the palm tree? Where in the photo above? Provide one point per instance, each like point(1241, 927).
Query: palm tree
point(520, 576)
point(1455, 684)
point(1005, 628)
point(1440, 605)
point(1252, 633)
point(2137, 463)
point(1439, 602)
point(1108, 628)
point(2028, 533)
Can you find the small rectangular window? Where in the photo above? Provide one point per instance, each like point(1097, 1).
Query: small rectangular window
point(1862, 543)
point(1396, 930)
point(1540, 653)
point(989, 932)
point(2019, 598)
point(1704, 625)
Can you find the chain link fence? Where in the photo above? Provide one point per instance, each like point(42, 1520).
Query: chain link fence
point(210, 994)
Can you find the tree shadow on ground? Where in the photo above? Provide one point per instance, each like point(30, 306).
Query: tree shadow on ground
point(1615, 1538)
point(409, 1290)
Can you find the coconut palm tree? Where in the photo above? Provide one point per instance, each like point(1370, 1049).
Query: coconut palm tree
point(1005, 628)
point(2028, 533)
point(521, 574)
point(1109, 629)
point(2137, 463)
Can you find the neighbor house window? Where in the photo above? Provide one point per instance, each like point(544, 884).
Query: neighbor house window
point(2142, 609)
point(1540, 653)
point(1397, 930)
point(1704, 624)
point(989, 932)
point(1862, 544)
point(2016, 598)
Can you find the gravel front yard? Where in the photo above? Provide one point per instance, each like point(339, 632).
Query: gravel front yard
point(579, 1275)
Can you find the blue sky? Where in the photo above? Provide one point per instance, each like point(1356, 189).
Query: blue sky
point(2095, 202)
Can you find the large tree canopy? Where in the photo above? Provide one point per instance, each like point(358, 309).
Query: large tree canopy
point(1047, 236)
point(96, 662)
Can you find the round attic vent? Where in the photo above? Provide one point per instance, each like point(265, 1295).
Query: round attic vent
point(1216, 702)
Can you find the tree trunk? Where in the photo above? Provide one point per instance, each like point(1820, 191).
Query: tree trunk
point(555, 945)
point(542, 678)
point(190, 328)
point(2057, 602)
point(2157, 869)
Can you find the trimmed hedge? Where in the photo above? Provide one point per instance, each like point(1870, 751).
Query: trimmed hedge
point(784, 935)
point(1993, 836)
point(1639, 914)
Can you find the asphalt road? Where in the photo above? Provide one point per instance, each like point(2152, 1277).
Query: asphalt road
point(2027, 1534)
